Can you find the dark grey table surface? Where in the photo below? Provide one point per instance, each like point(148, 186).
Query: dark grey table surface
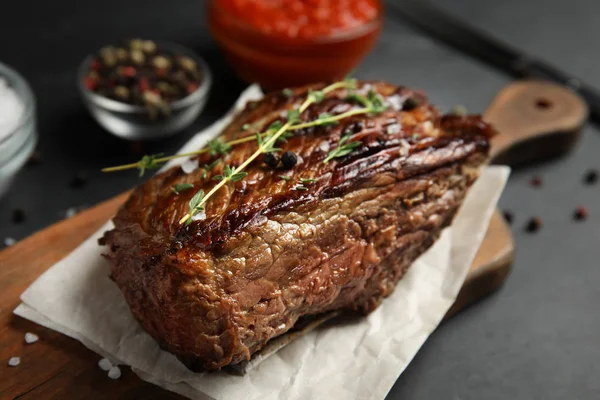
point(538, 338)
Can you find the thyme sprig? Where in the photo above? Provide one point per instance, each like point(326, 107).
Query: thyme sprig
point(277, 131)
point(232, 174)
point(151, 161)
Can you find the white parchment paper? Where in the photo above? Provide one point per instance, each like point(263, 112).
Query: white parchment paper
point(358, 359)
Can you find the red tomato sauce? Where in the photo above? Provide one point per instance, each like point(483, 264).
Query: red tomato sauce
point(304, 19)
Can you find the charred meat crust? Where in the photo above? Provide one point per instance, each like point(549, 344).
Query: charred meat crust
point(215, 292)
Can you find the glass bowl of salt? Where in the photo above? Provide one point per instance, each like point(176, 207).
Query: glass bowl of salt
point(17, 125)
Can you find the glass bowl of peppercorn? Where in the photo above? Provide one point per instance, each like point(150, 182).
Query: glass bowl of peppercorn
point(144, 90)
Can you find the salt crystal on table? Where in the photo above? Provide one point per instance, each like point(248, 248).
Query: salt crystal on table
point(11, 109)
point(70, 212)
point(105, 364)
point(14, 361)
point(114, 373)
point(31, 338)
point(9, 241)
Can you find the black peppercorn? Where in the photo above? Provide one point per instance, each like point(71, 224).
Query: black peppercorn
point(289, 159)
point(410, 104)
point(18, 215)
point(271, 159)
point(533, 225)
point(536, 181)
point(79, 180)
point(508, 216)
point(590, 177)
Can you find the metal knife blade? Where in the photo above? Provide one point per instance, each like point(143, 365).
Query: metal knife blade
point(478, 44)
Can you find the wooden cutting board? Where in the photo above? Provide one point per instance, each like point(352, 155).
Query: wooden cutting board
point(535, 120)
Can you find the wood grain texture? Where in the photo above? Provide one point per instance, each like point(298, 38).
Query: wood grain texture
point(58, 367)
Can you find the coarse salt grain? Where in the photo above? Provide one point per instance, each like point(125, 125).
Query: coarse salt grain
point(70, 212)
point(14, 361)
point(199, 217)
point(31, 338)
point(114, 373)
point(396, 102)
point(9, 241)
point(11, 109)
point(105, 364)
point(189, 166)
point(393, 129)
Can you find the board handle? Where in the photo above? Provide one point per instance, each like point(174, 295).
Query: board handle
point(536, 120)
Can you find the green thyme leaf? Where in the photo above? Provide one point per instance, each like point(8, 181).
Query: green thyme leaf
point(285, 177)
point(293, 116)
point(275, 126)
point(238, 176)
point(307, 180)
point(342, 149)
point(261, 144)
point(181, 187)
point(316, 96)
point(148, 162)
point(300, 187)
point(284, 136)
point(245, 127)
point(377, 103)
point(194, 206)
point(359, 98)
point(216, 146)
point(213, 164)
point(287, 92)
point(230, 174)
point(208, 167)
point(196, 200)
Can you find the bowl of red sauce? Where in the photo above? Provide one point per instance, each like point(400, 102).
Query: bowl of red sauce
point(285, 43)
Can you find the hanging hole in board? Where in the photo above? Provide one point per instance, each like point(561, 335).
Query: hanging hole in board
point(543, 104)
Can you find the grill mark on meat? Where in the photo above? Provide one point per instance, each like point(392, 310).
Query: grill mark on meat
point(266, 255)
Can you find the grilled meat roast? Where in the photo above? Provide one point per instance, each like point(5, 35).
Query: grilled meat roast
point(268, 253)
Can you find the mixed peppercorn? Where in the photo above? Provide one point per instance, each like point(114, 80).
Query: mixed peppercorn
point(580, 213)
point(141, 73)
